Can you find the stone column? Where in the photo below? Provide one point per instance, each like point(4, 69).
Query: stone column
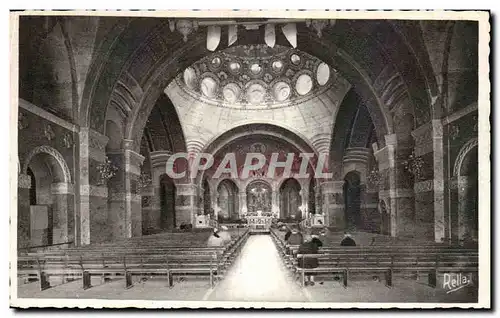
point(430, 218)
point(214, 201)
point(125, 214)
point(318, 201)
point(243, 202)
point(150, 205)
point(438, 184)
point(82, 215)
point(397, 187)
point(304, 196)
point(133, 163)
point(333, 206)
point(23, 210)
point(186, 199)
point(91, 212)
point(463, 187)
point(62, 213)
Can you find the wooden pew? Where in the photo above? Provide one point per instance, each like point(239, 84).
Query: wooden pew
point(126, 262)
point(387, 260)
point(388, 264)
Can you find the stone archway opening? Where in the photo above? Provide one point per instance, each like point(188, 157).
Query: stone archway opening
point(259, 198)
point(49, 220)
point(227, 200)
point(468, 218)
point(167, 203)
point(291, 200)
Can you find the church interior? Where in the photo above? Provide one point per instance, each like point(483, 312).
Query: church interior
point(388, 107)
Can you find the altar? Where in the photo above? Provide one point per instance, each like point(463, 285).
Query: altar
point(259, 222)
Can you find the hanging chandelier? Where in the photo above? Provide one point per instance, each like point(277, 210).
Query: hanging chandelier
point(214, 29)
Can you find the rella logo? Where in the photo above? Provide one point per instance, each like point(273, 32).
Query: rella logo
point(294, 165)
point(453, 281)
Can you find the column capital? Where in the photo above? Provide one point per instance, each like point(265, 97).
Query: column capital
point(128, 144)
point(133, 161)
point(332, 187)
point(23, 181)
point(186, 188)
point(61, 188)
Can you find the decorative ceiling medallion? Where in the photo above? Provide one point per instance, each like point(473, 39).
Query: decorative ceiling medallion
point(277, 66)
point(304, 84)
point(255, 69)
point(281, 91)
point(231, 93)
point(209, 87)
point(295, 59)
point(190, 77)
point(235, 67)
point(256, 94)
point(216, 62)
point(323, 73)
point(255, 76)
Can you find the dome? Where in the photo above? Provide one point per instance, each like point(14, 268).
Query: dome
point(256, 76)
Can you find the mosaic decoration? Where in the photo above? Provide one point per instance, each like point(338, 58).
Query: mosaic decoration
point(256, 76)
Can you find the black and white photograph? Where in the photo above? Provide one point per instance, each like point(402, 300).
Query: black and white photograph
point(232, 159)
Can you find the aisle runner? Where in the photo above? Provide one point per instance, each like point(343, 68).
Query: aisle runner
point(257, 275)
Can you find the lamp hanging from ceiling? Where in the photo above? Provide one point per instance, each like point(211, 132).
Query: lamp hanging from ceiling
point(270, 35)
point(290, 32)
point(232, 34)
point(213, 37)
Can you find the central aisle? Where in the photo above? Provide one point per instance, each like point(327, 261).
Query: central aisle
point(257, 275)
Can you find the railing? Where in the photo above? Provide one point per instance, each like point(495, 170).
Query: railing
point(56, 245)
point(259, 222)
point(313, 220)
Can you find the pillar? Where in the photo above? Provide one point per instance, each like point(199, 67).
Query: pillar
point(438, 184)
point(92, 208)
point(23, 210)
point(186, 199)
point(242, 195)
point(464, 185)
point(62, 213)
point(151, 208)
point(333, 206)
point(125, 210)
point(304, 196)
point(397, 185)
point(431, 220)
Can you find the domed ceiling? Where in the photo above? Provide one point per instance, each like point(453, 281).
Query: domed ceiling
point(256, 76)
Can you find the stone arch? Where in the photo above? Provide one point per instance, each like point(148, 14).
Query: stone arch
point(264, 129)
point(262, 200)
point(66, 175)
point(465, 216)
point(466, 148)
point(325, 48)
point(290, 199)
point(228, 191)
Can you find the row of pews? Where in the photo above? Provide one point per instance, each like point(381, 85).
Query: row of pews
point(155, 255)
point(381, 261)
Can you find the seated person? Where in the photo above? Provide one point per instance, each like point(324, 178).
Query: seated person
point(224, 234)
point(293, 236)
point(311, 245)
point(348, 240)
point(215, 240)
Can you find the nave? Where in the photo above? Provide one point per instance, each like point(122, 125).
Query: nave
point(257, 274)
